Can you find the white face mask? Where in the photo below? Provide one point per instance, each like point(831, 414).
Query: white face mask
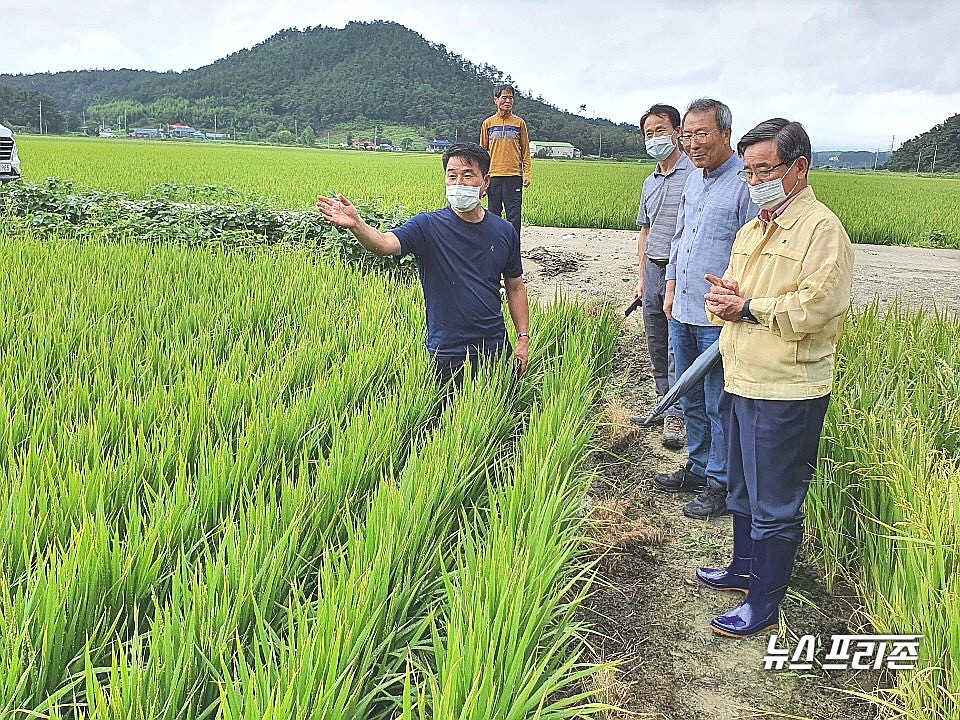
point(463, 197)
point(660, 148)
point(770, 194)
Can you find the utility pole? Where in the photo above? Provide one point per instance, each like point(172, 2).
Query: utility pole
point(933, 167)
point(918, 160)
point(876, 156)
point(41, 117)
point(600, 132)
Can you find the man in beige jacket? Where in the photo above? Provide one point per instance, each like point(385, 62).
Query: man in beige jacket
point(781, 304)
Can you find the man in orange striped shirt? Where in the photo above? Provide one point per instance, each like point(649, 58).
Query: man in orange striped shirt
point(504, 135)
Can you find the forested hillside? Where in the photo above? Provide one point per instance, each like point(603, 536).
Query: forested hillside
point(937, 150)
point(311, 80)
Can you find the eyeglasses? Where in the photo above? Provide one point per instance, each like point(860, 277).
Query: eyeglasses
point(762, 173)
point(700, 136)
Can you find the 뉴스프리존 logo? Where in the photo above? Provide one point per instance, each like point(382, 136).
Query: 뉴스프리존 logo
point(853, 652)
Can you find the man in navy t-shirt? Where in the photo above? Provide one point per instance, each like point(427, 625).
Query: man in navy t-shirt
point(462, 253)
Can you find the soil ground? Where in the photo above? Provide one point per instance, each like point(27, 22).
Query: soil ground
point(651, 617)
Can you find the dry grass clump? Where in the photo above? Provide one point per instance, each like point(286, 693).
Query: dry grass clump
point(610, 691)
point(611, 527)
point(615, 432)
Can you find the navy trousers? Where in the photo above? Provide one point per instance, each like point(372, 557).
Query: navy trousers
point(506, 194)
point(449, 372)
point(771, 457)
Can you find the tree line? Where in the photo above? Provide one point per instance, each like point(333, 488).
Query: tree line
point(33, 112)
point(936, 150)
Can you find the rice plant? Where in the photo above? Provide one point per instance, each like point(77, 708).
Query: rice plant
point(888, 503)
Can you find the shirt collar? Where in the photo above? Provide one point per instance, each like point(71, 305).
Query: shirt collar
point(683, 163)
point(731, 162)
point(789, 212)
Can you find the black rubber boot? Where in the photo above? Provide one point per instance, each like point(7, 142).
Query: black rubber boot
point(736, 576)
point(770, 572)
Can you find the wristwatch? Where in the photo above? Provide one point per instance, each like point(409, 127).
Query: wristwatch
point(746, 315)
point(520, 335)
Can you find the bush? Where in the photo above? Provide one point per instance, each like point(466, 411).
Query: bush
point(210, 215)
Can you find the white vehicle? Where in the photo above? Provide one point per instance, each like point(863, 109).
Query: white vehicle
point(9, 159)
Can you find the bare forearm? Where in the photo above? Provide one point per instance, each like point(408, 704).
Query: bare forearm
point(375, 241)
point(642, 246)
point(342, 213)
point(518, 304)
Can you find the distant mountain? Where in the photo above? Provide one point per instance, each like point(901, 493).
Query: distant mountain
point(938, 149)
point(316, 78)
point(850, 159)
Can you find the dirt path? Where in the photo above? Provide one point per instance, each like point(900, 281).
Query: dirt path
point(652, 617)
point(603, 263)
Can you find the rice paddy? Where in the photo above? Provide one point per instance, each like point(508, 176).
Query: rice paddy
point(880, 208)
point(230, 489)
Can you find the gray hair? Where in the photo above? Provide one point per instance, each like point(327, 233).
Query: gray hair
point(792, 140)
point(721, 111)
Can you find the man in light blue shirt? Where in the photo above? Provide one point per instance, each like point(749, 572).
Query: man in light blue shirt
point(714, 206)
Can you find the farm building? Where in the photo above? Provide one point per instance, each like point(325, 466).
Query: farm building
point(438, 145)
point(553, 149)
point(185, 131)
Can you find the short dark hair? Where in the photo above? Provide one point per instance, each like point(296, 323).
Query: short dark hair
point(720, 111)
point(792, 140)
point(471, 152)
point(667, 111)
point(498, 89)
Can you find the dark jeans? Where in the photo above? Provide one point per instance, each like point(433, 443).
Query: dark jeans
point(657, 330)
point(506, 193)
point(772, 455)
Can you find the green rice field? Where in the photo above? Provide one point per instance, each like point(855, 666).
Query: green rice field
point(875, 208)
point(229, 487)
point(229, 490)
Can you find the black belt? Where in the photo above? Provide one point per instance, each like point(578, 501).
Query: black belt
point(659, 263)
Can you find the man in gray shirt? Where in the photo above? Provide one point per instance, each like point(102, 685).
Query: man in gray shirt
point(657, 221)
point(714, 206)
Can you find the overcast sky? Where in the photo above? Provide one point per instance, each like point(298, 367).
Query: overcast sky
point(855, 73)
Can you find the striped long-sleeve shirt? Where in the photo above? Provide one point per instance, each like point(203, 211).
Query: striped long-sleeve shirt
point(509, 145)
